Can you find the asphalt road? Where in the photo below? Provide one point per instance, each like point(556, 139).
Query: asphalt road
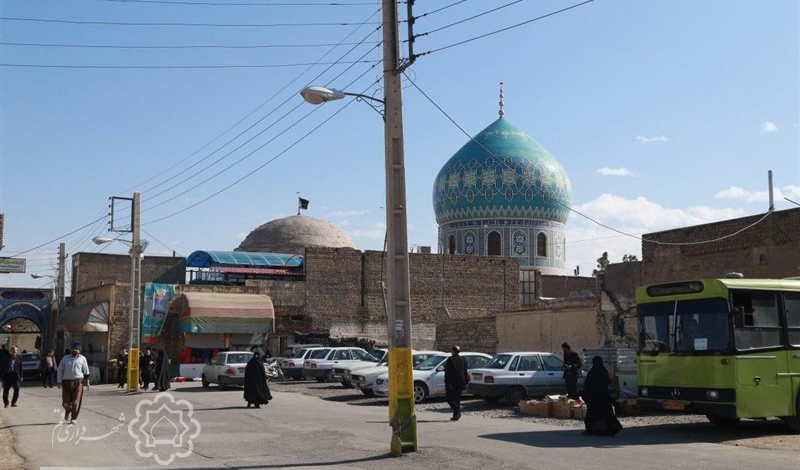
point(196, 428)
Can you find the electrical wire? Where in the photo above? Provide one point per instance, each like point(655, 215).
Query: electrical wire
point(439, 9)
point(172, 24)
point(232, 4)
point(504, 29)
point(284, 116)
point(158, 241)
point(57, 238)
point(571, 209)
point(468, 19)
point(163, 67)
point(187, 46)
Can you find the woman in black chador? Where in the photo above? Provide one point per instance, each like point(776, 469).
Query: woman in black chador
point(161, 378)
point(256, 391)
point(600, 418)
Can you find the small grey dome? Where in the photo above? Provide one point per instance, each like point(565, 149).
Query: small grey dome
point(293, 234)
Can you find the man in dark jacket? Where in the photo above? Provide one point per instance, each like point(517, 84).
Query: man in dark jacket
point(572, 367)
point(456, 379)
point(11, 369)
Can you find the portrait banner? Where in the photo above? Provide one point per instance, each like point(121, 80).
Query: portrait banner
point(157, 299)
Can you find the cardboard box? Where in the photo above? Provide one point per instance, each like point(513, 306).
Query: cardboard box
point(562, 410)
point(526, 407)
point(543, 409)
point(579, 411)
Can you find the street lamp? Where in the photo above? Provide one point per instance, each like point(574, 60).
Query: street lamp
point(401, 384)
point(137, 251)
point(321, 94)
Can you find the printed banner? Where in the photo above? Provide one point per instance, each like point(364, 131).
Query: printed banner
point(157, 298)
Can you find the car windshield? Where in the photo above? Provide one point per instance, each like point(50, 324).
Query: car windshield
point(319, 354)
point(239, 358)
point(430, 363)
point(376, 355)
point(498, 362)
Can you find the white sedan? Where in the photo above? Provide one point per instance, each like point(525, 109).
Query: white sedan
point(429, 375)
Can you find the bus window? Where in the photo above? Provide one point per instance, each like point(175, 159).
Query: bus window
point(655, 327)
point(792, 302)
point(762, 326)
point(701, 325)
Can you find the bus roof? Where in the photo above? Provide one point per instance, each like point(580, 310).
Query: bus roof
point(704, 288)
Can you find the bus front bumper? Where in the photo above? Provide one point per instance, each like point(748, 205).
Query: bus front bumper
point(727, 410)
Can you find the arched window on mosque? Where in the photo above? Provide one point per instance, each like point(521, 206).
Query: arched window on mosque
point(451, 245)
point(541, 244)
point(494, 244)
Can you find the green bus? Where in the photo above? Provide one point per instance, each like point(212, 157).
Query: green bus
point(726, 348)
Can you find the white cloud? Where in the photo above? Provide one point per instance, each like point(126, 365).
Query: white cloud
point(614, 171)
point(740, 194)
point(625, 220)
point(768, 127)
point(650, 140)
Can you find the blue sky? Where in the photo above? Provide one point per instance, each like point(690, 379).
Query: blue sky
point(664, 113)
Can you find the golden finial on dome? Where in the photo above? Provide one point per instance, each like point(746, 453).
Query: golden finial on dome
point(501, 112)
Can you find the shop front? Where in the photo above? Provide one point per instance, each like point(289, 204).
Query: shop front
point(214, 322)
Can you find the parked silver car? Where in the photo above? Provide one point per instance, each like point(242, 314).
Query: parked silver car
point(226, 368)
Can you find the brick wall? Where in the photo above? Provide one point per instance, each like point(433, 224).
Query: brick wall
point(552, 323)
point(92, 269)
point(345, 295)
point(567, 286)
point(769, 249)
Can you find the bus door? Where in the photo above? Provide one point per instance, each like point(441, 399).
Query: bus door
point(762, 382)
point(792, 309)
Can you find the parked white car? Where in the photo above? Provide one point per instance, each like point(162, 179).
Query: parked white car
point(516, 376)
point(429, 375)
point(319, 363)
point(375, 357)
point(226, 368)
point(293, 366)
point(364, 378)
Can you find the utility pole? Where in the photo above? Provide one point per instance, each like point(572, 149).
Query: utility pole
point(136, 295)
point(60, 297)
point(401, 381)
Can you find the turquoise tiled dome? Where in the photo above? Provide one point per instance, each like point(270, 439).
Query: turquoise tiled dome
point(505, 174)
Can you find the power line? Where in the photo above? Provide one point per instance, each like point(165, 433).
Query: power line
point(226, 4)
point(163, 67)
point(173, 24)
point(187, 46)
point(542, 193)
point(505, 29)
point(469, 19)
point(58, 238)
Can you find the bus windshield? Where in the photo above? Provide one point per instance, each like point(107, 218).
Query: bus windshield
point(684, 326)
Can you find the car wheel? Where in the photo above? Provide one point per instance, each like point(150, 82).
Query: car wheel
point(297, 377)
point(347, 384)
point(420, 392)
point(222, 384)
point(724, 421)
point(368, 392)
point(491, 399)
point(514, 395)
point(206, 383)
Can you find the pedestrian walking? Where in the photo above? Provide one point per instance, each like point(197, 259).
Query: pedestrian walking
point(73, 374)
point(456, 379)
point(48, 369)
point(256, 390)
point(12, 375)
point(146, 364)
point(122, 368)
point(572, 367)
point(161, 379)
point(600, 417)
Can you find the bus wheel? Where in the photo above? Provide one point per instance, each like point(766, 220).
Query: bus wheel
point(794, 421)
point(724, 421)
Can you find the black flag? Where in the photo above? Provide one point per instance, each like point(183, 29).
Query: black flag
point(302, 204)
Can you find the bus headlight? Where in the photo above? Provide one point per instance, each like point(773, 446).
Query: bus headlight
point(712, 395)
point(643, 391)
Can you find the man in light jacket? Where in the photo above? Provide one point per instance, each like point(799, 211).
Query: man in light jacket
point(73, 373)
